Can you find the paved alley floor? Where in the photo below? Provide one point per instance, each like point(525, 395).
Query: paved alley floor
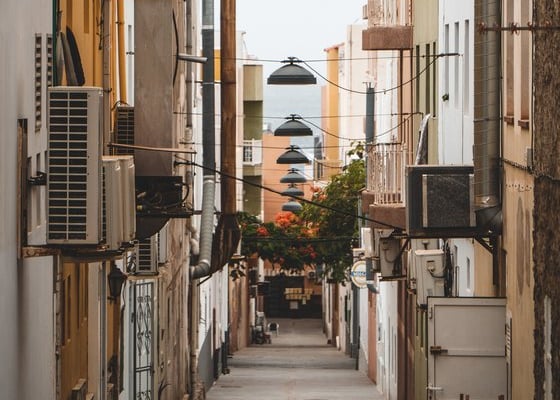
point(297, 365)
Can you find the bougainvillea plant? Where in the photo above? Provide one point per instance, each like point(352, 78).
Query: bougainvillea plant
point(322, 234)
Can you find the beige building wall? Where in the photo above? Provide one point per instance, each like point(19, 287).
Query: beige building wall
point(518, 198)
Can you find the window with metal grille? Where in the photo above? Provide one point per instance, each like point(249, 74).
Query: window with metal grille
point(38, 81)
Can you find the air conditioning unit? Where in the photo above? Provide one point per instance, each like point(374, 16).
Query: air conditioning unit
point(124, 129)
point(162, 244)
point(366, 242)
point(358, 254)
point(430, 277)
point(129, 197)
point(417, 244)
point(74, 140)
point(390, 265)
point(147, 261)
point(112, 203)
point(386, 253)
point(440, 201)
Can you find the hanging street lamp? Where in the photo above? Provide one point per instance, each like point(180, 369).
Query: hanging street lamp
point(292, 191)
point(293, 127)
point(291, 74)
point(292, 206)
point(293, 156)
point(293, 176)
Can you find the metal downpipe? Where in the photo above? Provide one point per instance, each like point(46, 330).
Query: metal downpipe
point(203, 268)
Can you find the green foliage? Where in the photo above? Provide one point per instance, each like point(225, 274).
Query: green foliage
point(322, 233)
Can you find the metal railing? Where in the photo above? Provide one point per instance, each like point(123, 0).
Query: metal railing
point(252, 152)
point(387, 163)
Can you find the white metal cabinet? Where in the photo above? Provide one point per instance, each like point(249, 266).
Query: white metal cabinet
point(466, 344)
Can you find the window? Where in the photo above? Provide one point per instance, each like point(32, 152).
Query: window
point(428, 80)
point(466, 68)
point(456, 64)
point(446, 60)
point(38, 82)
point(434, 79)
point(468, 274)
point(509, 59)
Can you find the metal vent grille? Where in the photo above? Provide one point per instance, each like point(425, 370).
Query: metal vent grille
point(147, 256)
point(74, 166)
point(124, 129)
point(38, 82)
point(49, 60)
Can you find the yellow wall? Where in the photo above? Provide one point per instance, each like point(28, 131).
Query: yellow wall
point(331, 112)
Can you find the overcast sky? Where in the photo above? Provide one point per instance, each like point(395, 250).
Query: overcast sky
point(275, 30)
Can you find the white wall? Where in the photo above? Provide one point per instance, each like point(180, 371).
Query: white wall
point(456, 35)
point(353, 74)
point(387, 364)
point(26, 291)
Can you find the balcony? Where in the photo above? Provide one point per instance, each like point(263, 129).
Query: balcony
point(387, 37)
point(385, 196)
point(252, 157)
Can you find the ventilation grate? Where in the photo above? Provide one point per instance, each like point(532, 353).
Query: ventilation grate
point(147, 256)
point(124, 129)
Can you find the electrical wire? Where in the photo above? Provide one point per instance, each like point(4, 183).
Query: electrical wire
point(383, 91)
point(187, 162)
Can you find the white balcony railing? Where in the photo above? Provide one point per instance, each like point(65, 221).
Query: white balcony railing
point(387, 163)
point(252, 152)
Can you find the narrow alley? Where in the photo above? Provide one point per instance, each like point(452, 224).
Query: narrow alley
point(298, 364)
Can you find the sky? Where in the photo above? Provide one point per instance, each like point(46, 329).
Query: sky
point(275, 30)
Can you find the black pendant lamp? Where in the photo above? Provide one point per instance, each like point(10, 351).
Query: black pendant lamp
point(291, 74)
point(293, 156)
point(293, 176)
point(293, 127)
point(292, 206)
point(292, 191)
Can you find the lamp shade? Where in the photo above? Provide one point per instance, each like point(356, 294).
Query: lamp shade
point(293, 176)
point(292, 206)
point(291, 74)
point(115, 279)
point(293, 156)
point(293, 127)
point(292, 191)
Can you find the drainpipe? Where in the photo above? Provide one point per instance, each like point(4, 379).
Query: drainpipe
point(208, 145)
point(487, 120)
point(370, 137)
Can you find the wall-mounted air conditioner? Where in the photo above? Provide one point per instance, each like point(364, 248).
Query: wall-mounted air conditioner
point(430, 276)
point(417, 244)
point(74, 204)
point(112, 203)
point(386, 254)
point(129, 198)
point(162, 237)
point(147, 260)
point(440, 201)
point(124, 129)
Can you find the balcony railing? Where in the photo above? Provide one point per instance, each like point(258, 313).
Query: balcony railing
point(387, 163)
point(252, 152)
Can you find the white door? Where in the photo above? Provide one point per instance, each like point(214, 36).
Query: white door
point(466, 343)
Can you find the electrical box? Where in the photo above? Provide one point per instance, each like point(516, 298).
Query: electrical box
point(430, 274)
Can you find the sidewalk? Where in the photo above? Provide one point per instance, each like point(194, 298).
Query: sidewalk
point(297, 365)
